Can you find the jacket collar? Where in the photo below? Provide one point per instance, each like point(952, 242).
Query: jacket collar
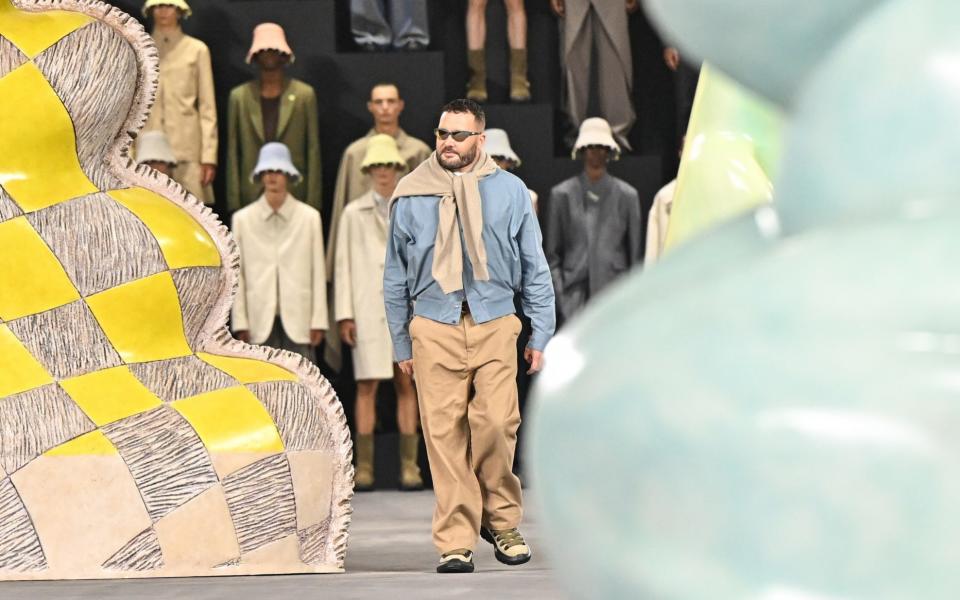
point(264, 210)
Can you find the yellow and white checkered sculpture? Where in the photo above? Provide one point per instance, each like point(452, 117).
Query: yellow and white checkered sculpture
point(137, 439)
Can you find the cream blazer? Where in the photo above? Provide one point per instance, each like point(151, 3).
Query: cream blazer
point(361, 248)
point(281, 265)
point(658, 221)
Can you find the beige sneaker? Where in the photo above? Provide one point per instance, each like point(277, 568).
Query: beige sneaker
point(456, 561)
point(509, 547)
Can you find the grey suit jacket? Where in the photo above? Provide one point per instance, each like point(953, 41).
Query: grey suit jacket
point(580, 270)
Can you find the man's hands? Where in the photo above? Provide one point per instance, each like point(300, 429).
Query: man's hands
point(406, 367)
point(316, 336)
point(535, 358)
point(348, 332)
point(208, 173)
point(671, 56)
point(559, 8)
point(633, 6)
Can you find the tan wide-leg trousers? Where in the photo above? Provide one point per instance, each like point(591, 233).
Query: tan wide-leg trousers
point(603, 24)
point(466, 377)
point(190, 176)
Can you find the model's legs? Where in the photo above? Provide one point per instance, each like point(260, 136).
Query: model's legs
point(365, 413)
point(368, 23)
point(517, 36)
point(411, 30)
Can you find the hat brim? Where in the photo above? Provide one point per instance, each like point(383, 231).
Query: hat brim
point(254, 51)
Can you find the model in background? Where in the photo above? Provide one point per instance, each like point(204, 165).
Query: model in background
point(272, 108)
point(154, 151)
point(185, 108)
point(685, 78)
point(477, 54)
point(598, 28)
point(498, 147)
point(385, 106)
point(452, 320)
point(362, 320)
point(282, 294)
point(406, 28)
point(594, 228)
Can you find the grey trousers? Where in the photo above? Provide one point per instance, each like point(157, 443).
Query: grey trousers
point(600, 24)
point(278, 339)
point(407, 25)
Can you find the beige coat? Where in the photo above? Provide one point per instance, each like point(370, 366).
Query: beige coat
point(185, 108)
point(352, 183)
point(282, 270)
point(361, 248)
point(658, 221)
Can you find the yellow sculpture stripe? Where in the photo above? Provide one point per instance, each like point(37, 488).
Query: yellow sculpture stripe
point(247, 370)
point(19, 370)
point(142, 319)
point(231, 420)
point(35, 32)
point(40, 167)
point(94, 443)
point(31, 277)
point(110, 395)
point(183, 241)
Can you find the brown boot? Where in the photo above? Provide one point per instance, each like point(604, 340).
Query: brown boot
point(519, 86)
point(477, 86)
point(410, 480)
point(363, 477)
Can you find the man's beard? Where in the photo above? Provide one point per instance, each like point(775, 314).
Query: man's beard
point(460, 162)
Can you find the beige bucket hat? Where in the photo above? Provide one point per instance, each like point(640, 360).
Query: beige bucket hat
point(181, 4)
point(382, 150)
point(152, 146)
point(596, 132)
point(498, 146)
point(269, 36)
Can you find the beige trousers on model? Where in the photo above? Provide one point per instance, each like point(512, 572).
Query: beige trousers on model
point(466, 377)
point(190, 176)
point(600, 24)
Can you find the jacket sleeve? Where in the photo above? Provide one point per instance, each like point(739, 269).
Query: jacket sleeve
point(314, 168)
point(318, 316)
point(553, 241)
point(396, 293)
point(634, 228)
point(537, 297)
point(239, 312)
point(207, 105)
point(653, 236)
point(339, 201)
point(233, 153)
point(342, 279)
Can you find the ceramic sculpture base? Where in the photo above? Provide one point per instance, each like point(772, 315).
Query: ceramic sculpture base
point(137, 438)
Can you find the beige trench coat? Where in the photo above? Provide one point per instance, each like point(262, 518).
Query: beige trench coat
point(352, 183)
point(185, 108)
point(281, 263)
point(361, 248)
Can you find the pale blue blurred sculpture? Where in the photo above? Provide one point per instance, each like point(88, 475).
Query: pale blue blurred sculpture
point(773, 412)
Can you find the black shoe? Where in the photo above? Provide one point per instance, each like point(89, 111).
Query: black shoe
point(509, 546)
point(414, 47)
point(456, 561)
point(371, 47)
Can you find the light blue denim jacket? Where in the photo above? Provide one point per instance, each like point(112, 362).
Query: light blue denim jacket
point(515, 262)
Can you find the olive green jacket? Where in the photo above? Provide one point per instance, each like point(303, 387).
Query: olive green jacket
point(297, 128)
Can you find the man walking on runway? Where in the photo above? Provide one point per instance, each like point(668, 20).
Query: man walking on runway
point(457, 279)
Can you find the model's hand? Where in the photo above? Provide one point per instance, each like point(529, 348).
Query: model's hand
point(633, 6)
point(559, 8)
point(316, 336)
point(243, 335)
point(535, 358)
point(671, 56)
point(348, 332)
point(208, 173)
point(406, 367)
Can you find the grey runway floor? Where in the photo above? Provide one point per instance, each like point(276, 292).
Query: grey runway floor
point(390, 556)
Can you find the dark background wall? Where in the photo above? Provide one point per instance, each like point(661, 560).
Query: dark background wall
point(319, 32)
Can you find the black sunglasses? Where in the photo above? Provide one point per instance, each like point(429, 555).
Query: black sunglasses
point(459, 136)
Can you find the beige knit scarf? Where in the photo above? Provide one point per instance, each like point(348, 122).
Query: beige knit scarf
point(459, 196)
